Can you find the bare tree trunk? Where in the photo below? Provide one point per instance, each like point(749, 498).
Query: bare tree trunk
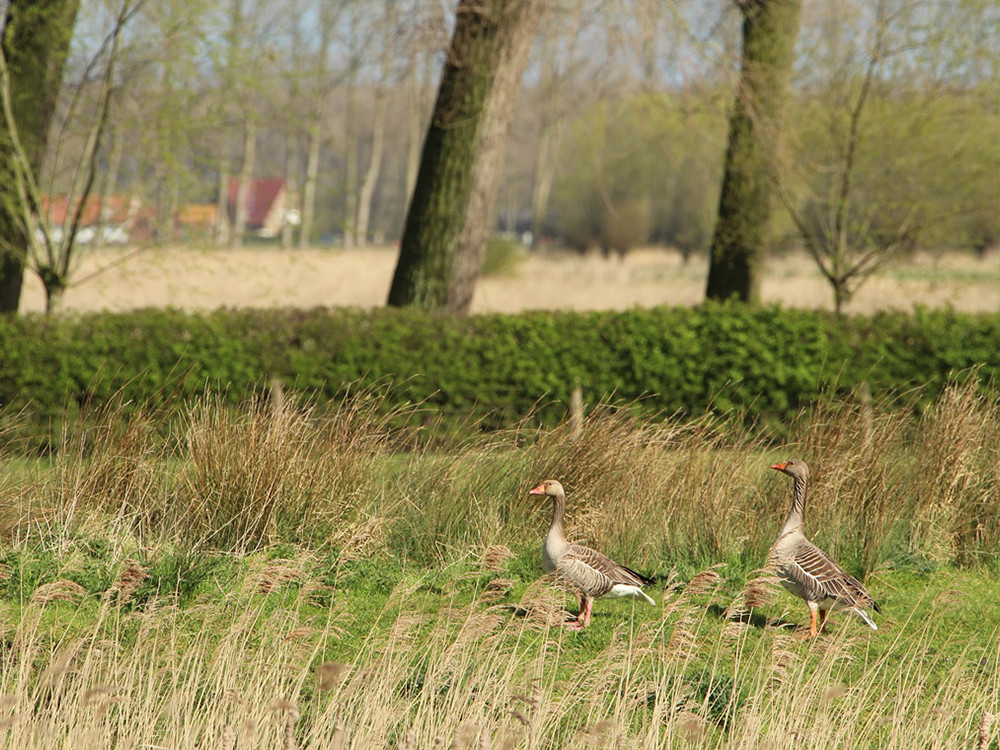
point(245, 189)
point(485, 38)
point(109, 179)
point(414, 123)
point(770, 28)
point(291, 204)
point(374, 167)
point(222, 226)
point(498, 114)
point(350, 161)
point(545, 174)
point(309, 189)
point(36, 37)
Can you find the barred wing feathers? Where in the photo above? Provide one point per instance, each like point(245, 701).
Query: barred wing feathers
point(596, 574)
point(821, 578)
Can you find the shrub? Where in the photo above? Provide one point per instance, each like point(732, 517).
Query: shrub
point(764, 363)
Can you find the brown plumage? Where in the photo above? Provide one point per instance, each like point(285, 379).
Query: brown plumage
point(806, 570)
point(592, 574)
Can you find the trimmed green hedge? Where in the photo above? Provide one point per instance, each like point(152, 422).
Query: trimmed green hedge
point(769, 361)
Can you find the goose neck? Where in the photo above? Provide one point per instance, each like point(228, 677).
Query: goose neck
point(796, 514)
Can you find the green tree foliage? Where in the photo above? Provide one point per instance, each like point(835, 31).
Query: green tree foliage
point(639, 170)
point(887, 158)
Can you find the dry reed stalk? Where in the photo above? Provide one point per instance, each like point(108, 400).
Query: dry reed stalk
point(58, 591)
point(691, 727)
point(784, 660)
point(339, 739)
point(332, 674)
point(760, 590)
point(597, 734)
point(496, 589)
point(290, 720)
point(704, 582)
point(983, 735)
point(131, 577)
point(495, 557)
point(275, 575)
point(542, 603)
point(683, 642)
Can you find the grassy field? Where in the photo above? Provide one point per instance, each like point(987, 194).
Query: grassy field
point(281, 577)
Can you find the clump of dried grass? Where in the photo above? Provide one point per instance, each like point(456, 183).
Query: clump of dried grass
point(58, 591)
point(131, 577)
point(277, 470)
point(957, 508)
point(495, 557)
point(275, 575)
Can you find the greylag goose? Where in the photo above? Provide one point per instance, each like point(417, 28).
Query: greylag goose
point(592, 574)
point(806, 570)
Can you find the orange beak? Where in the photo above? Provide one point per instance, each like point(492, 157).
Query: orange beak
point(781, 466)
point(539, 490)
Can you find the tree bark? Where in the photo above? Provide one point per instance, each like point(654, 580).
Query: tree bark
point(309, 189)
point(498, 114)
point(222, 223)
point(245, 189)
point(36, 37)
point(770, 28)
point(350, 156)
point(485, 40)
point(374, 168)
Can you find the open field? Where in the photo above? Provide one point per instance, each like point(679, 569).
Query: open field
point(205, 279)
point(287, 578)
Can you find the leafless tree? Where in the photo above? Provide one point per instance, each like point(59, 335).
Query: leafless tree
point(51, 253)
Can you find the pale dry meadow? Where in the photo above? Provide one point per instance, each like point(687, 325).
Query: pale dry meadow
point(200, 279)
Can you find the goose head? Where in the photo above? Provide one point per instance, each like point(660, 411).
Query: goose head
point(549, 487)
point(794, 468)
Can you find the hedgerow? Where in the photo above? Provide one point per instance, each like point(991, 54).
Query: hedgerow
point(768, 363)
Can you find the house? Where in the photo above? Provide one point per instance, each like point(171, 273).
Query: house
point(119, 219)
point(195, 221)
point(267, 205)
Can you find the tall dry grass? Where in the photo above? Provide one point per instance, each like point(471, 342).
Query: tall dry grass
point(886, 486)
point(472, 675)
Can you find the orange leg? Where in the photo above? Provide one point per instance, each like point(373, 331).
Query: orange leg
point(812, 623)
point(822, 619)
point(590, 606)
point(579, 623)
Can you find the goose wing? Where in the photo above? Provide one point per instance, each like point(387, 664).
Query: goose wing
point(595, 574)
point(820, 578)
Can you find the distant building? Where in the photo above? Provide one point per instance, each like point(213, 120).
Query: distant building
point(195, 221)
point(267, 205)
point(119, 220)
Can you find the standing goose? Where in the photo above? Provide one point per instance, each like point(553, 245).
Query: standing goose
point(806, 570)
point(592, 574)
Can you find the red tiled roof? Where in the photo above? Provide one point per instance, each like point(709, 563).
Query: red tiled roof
point(57, 209)
point(263, 192)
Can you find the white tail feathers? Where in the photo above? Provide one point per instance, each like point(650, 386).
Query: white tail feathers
point(624, 589)
point(866, 617)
